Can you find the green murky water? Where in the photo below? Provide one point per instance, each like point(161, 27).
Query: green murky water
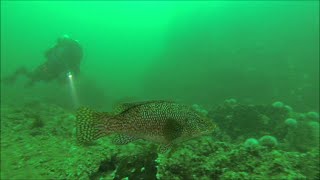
point(256, 52)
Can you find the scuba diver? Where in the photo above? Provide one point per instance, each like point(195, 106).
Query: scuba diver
point(62, 61)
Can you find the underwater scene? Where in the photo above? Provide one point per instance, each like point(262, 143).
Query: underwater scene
point(160, 90)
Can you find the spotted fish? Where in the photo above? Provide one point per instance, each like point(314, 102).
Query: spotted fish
point(163, 122)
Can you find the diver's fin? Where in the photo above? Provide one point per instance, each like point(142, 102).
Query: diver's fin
point(29, 84)
point(12, 78)
point(122, 139)
point(9, 79)
point(91, 125)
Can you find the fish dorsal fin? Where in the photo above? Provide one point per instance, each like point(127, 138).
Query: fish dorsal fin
point(125, 106)
point(163, 148)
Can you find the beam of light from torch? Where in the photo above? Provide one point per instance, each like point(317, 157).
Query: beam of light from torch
point(73, 91)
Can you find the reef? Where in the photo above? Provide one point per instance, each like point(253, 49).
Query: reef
point(252, 142)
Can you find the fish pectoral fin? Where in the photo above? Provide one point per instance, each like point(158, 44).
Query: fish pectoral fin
point(122, 139)
point(164, 147)
point(172, 130)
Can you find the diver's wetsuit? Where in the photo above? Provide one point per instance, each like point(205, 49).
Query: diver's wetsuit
point(62, 58)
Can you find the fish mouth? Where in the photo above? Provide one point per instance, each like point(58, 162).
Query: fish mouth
point(211, 128)
point(207, 132)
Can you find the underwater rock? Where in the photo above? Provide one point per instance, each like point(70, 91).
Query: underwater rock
point(288, 108)
point(281, 105)
point(268, 141)
point(278, 104)
point(230, 102)
point(313, 116)
point(227, 161)
point(49, 151)
point(140, 166)
point(303, 138)
point(251, 143)
point(199, 109)
point(245, 121)
point(37, 122)
point(291, 122)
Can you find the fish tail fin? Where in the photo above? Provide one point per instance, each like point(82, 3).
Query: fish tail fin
point(90, 125)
